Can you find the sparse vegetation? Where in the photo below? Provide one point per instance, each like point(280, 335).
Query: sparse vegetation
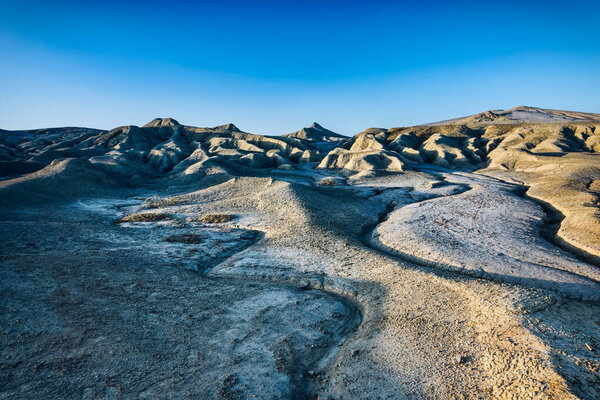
point(329, 182)
point(186, 238)
point(215, 218)
point(143, 217)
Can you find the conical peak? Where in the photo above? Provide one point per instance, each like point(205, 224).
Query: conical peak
point(160, 122)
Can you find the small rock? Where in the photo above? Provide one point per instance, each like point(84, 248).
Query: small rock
point(588, 347)
point(354, 353)
point(311, 374)
point(458, 359)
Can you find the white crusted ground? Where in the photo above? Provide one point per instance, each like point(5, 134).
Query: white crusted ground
point(487, 230)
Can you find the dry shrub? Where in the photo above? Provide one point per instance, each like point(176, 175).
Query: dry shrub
point(215, 218)
point(143, 217)
point(329, 182)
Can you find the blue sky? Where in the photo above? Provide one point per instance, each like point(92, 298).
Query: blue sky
point(274, 67)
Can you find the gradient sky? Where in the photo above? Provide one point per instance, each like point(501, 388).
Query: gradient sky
point(273, 67)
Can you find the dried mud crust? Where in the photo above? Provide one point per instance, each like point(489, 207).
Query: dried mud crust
point(425, 333)
point(488, 230)
point(416, 321)
point(123, 316)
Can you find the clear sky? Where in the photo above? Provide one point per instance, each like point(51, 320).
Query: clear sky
point(273, 67)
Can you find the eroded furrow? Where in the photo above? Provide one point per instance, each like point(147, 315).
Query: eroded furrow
point(486, 231)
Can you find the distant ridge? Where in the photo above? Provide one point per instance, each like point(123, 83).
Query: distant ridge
point(521, 114)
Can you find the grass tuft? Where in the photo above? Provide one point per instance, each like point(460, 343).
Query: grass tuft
point(329, 182)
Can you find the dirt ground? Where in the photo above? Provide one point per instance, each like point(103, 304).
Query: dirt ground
point(92, 309)
point(285, 299)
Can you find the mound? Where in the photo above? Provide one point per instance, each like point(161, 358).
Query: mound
point(366, 154)
point(23, 152)
point(448, 151)
point(162, 146)
point(62, 180)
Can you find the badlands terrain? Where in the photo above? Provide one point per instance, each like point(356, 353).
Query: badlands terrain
point(453, 260)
